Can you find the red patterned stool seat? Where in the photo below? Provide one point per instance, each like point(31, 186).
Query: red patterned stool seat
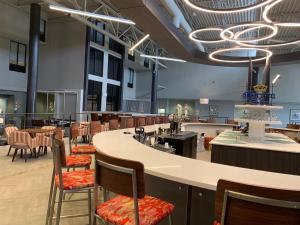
point(78, 161)
point(120, 210)
point(84, 149)
point(76, 179)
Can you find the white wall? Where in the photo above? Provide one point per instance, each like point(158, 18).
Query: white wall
point(194, 81)
point(62, 57)
point(14, 25)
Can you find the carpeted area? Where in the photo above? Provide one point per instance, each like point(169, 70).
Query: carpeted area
point(24, 191)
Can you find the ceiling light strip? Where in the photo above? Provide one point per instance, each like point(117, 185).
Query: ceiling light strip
point(223, 11)
point(162, 58)
point(88, 14)
point(213, 54)
point(139, 42)
point(193, 34)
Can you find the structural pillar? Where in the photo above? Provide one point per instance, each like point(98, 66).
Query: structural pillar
point(154, 88)
point(267, 78)
point(34, 41)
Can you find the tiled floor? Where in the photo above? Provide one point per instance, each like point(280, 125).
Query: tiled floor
point(24, 191)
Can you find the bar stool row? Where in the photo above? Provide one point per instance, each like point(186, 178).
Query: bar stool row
point(235, 203)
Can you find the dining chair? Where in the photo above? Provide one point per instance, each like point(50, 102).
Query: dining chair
point(9, 137)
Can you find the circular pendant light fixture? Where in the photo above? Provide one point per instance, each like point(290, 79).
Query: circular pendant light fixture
point(193, 34)
point(267, 9)
point(268, 45)
point(231, 10)
point(252, 26)
point(212, 55)
point(281, 24)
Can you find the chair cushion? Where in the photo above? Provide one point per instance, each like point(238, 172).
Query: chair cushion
point(120, 210)
point(76, 179)
point(84, 149)
point(216, 223)
point(78, 161)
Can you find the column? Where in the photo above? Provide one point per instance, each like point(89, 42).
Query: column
point(34, 41)
point(153, 105)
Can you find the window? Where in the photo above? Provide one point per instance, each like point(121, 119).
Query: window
point(114, 68)
point(131, 78)
point(17, 57)
point(43, 31)
point(113, 95)
point(146, 60)
point(96, 36)
point(116, 46)
point(94, 96)
point(131, 55)
point(96, 62)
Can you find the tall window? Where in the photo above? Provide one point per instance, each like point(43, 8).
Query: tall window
point(43, 30)
point(131, 55)
point(96, 36)
point(114, 68)
point(94, 96)
point(17, 57)
point(113, 95)
point(116, 46)
point(131, 78)
point(96, 62)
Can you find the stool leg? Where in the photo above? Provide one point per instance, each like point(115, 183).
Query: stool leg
point(50, 198)
point(61, 193)
point(9, 151)
point(25, 154)
point(170, 219)
point(90, 206)
point(15, 153)
point(52, 206)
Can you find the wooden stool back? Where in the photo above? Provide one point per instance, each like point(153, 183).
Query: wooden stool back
point(244, 204)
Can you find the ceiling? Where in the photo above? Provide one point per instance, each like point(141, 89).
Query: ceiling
point(285, 11)
point(154, 18)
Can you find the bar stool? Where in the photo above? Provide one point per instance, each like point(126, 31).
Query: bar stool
point(95, 128)
point(149, 121)
point(77, 131)
point(114, 124)
point(131, 205)
point(129, 122)
point(67, 182)
point(242, 204)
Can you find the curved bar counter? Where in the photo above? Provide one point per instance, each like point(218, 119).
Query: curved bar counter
point(188, 174)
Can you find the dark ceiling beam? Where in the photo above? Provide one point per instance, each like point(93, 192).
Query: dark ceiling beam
point(27, 2)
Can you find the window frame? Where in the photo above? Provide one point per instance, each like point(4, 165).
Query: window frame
point(131, 78)
point(16, 67)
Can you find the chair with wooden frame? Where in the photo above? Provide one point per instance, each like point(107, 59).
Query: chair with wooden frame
point(67, 182)
point(113, 124)
point(78, 131)
point(23, 141)
point(131, 205)
point(242, 204)
point(129, 123)
point(9, 137)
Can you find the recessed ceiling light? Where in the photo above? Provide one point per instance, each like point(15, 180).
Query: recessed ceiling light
point(252, 26)
point(162, 58)
point(194, 33)
point(213, 58)
point(88, 14)
point(235, 10)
